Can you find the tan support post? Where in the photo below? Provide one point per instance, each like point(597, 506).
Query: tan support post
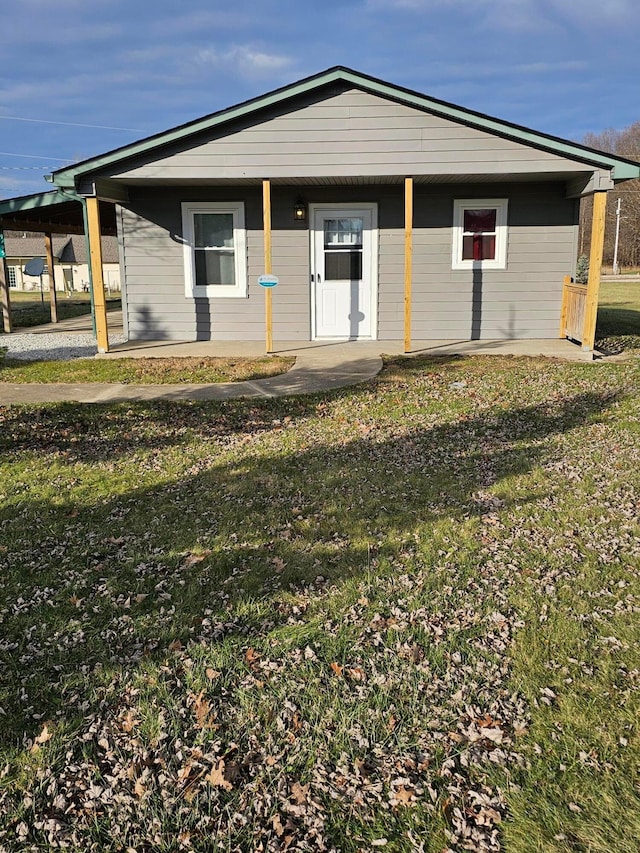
point(595, 269)
point(563, 307)
point(95, 252)
point(268, 303)
point(408, 252)
point(4, 294)
point(48, 246)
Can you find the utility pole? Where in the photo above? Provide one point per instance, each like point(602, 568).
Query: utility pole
point(616, 268)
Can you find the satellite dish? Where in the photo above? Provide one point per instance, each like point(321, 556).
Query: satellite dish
point(34, 267)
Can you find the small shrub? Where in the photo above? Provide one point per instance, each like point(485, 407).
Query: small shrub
point(582, 270)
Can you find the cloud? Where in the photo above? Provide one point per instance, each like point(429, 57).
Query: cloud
point(523, 15)
point(201, 20)
point(245, 59)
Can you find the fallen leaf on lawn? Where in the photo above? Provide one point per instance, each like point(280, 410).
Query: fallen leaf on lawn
point(299, 793)
point(192, 559)
point(212, 673)
point(139, 789)
point(43, 737)
point(278, 564)
point(129, 722)
point(202, 710)
point(404, 795)
point(337, 668)
point(217, 778)
point(175, 646)
point(251, 656)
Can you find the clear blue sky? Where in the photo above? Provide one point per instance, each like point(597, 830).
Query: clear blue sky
point(136, 68)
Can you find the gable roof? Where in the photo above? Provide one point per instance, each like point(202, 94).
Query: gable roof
point(622, 169)
point(67, 249)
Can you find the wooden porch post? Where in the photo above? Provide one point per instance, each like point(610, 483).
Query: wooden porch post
point(48, 246)
point(97, 278)
point(595, 269)
point(4, 290)
point(266, 219)
point(408, 252)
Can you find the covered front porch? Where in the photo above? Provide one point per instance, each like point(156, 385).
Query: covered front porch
point(93, 216)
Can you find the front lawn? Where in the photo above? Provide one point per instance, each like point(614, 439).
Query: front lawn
point(618, 326)
point(28, 308)
point(155, 371)
point(402, 616)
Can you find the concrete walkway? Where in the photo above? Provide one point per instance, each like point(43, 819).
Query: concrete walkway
point(319, 366)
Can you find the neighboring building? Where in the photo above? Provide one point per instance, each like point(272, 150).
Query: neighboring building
point(71, 269)
point(384, 213)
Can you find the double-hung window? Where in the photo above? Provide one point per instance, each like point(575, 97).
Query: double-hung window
point(479, 234)
point(215, 253)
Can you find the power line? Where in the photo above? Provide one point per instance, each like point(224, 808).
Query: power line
point(34, 156)
point(72, 124)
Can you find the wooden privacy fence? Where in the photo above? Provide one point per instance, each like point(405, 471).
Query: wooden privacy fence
point(574, 304)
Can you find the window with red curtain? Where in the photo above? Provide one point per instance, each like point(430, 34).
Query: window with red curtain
point(479, 234)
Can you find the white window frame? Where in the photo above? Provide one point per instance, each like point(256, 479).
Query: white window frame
point(237, 290)
point(12, 278)
point(500, 205)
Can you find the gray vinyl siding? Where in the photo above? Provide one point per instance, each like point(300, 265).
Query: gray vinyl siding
point(520, 301)
point(352, 133)
point(152, 257)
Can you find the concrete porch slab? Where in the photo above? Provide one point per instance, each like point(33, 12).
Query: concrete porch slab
point(333, 352)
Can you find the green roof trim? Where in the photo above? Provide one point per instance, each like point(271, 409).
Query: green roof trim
point(623, 169)
point(35, 201)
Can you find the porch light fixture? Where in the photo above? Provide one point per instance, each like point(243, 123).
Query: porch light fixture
point(300, 210)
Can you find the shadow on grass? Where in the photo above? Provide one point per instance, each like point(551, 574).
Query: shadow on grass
point(113, 581)
point(618, 321)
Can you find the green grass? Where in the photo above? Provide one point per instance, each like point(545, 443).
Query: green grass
point(405, 611)
point(29, 310)
point(618, 325)
point(144, 370)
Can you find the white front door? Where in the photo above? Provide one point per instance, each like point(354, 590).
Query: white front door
point(344, 260)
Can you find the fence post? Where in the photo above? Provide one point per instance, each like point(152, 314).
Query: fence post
point(563, 307)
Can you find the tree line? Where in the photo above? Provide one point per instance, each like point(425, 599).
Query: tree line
point(624, 143)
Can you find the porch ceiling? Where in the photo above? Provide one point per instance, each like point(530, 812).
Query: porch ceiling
point(361, 180)
point(53, 216)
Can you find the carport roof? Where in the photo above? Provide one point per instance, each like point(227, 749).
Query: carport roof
point(54, 212)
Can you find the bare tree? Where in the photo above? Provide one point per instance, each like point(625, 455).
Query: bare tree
point(624, 143)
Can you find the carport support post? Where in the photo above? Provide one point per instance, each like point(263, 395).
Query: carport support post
point(408, 252)
point(266, 220)
point(97, 279)
point(4, 291)
point(595, 270)
point(48, 246)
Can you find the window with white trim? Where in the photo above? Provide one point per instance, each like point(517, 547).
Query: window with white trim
point(13, 281)
point(215, 249)
point(480, 233)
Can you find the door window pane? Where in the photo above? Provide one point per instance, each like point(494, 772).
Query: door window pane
point(343, 266)
point(213, 230)
point(343, 232)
